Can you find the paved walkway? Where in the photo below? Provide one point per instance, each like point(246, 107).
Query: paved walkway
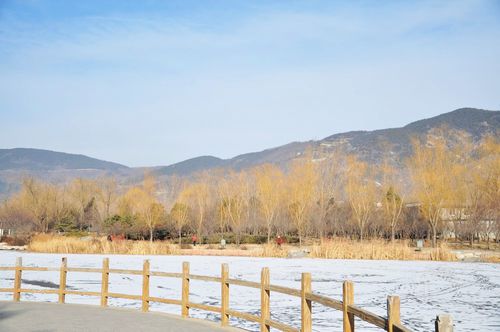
point(53, 317)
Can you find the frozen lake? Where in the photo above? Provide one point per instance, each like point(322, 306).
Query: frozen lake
point(470, 292)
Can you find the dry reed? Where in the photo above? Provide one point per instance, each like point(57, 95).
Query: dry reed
point(48, 243)
point(377, 249)
point(273, 250)
point(332, 249)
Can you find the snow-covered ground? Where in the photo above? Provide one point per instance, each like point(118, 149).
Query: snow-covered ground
point(470, 292)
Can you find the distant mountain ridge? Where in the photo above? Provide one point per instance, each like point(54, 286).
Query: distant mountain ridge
point(369, 145)
point(372, 146)
point(45, 160)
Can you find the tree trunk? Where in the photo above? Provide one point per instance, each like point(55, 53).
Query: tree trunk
point(200, 227)
point(180, 237)
point(434, 236)
point(151, 235)
point(392, 233)
point(200, 237)
point(268, 234)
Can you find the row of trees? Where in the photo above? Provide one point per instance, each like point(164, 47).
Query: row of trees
point(439, 189)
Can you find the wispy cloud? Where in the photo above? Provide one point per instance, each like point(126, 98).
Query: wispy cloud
point(266, 77)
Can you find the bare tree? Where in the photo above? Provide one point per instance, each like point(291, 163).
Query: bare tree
point(108, 194)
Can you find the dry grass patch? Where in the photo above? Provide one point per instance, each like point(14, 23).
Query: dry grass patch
point(333, 249)
point(273, 250)
point(48, 243)
point(377, 249)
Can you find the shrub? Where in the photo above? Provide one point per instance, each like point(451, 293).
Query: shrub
point(15, 240)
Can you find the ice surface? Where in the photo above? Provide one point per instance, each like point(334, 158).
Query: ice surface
point(470, 292)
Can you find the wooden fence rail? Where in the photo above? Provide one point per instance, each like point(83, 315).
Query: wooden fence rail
point(307, 297)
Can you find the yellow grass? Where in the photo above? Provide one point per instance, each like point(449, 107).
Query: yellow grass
point(333, 249)
point(491, 258)
point(97, 245)
point(273, 250)
point(377, 249)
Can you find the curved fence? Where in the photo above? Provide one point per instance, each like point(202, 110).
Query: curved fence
point(350, 311)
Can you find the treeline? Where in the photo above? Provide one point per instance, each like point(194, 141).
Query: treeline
point(439, 189)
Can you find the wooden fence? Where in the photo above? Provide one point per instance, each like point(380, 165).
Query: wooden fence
point(346, 305)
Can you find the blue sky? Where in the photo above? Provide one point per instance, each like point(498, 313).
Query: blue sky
point(155, 82)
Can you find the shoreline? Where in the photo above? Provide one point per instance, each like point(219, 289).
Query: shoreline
point(287, 252)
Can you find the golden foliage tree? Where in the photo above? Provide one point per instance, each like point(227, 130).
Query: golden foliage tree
point(328, 190)
point(141, 203)
point(84, 193)
point(269, 187)
point(41, 200)
point(301, 183)
point(180, 216)
point(430, 168)
point(488, 182)
point(233, 202)
point(197, 196)
point(393, 199)
point(361, 191)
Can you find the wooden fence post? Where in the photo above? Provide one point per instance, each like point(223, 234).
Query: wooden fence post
point(444, 323)
point(62, 279)
point(224, 319)
point(347, 299)
point(105, 282)
point(145, 286)
point(185, 289)
point(265, 294)
point(393, 312)
point(17, 279)
point(306, 305)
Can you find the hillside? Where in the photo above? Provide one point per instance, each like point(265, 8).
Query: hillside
point(56, 167)
point(464, 123)
point(192, 166)
point(371, 146)
point(44, 160)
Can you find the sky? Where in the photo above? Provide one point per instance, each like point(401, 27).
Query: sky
point(147, 83)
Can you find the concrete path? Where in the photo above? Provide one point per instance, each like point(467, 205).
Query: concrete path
point(53, 317)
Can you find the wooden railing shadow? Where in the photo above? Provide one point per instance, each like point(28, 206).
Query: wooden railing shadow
point(349, 310)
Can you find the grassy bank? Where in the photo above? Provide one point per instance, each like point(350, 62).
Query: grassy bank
point(330, 249)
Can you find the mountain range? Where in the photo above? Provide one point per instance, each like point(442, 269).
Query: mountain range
point(39, 160)
point(464, 123)
point(369, 145)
